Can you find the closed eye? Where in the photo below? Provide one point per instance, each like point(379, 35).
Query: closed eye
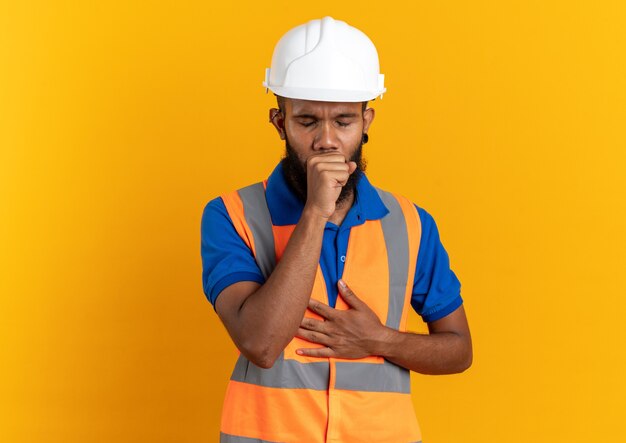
point(311, 123)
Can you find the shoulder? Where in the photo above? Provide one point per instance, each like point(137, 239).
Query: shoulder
point(215, 204)
point(426, 218)
point(394, 200)
point(214, 209)
point(215, 222)
point(420, 219)
point(222, 205)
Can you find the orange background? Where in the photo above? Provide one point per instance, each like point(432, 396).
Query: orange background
point(120, 120)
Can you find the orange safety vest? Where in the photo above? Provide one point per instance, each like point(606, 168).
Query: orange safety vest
point(311, 399)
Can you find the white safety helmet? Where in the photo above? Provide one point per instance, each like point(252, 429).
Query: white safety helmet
point(325, 60)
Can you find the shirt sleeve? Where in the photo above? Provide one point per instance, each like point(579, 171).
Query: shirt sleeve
point(436, 289)
point(226, 259)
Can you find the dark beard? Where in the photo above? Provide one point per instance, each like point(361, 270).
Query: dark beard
point(295, 173)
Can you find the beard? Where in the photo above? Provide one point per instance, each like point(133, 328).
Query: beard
point(295, 173)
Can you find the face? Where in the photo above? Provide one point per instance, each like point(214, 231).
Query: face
point(313, 127)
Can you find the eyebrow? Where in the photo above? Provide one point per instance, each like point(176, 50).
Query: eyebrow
point(311, 116)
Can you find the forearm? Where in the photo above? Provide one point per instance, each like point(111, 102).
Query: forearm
point(273, 312)
point(437, 353)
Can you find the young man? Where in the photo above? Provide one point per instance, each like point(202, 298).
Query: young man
point(313, 270)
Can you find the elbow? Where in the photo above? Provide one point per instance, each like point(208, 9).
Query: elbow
point(459, 366)
point(466, 360)
point(460, 359)
point(264, 361)
point(260, 355)
point(466, 363)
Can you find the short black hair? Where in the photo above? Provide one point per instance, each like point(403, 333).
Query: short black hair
point(280, 100)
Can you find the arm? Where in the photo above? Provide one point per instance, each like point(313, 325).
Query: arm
point(358, 332)
point(446, 350)
point(436, 297)
point(262, 319)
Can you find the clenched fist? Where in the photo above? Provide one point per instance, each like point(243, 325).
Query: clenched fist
point(326, 173)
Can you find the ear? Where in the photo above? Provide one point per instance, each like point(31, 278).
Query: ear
point(368, 118)
point(278, 120)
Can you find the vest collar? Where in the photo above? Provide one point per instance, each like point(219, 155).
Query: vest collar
point(286, 208)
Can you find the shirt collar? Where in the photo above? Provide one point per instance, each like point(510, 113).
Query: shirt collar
point(286, 208)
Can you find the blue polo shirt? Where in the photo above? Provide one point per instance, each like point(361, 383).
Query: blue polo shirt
point(226, 259)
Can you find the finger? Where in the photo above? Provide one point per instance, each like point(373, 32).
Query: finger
point(340, 177)
point(332, 153)
point(324, 158)
point(316, 352)
point(330, 175)
point(313, 324)
point(313, 337)
point(352, 166)
point(331, 166)
point(350, 297)
point(322, 309)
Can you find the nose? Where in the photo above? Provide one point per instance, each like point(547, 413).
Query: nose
point(326, 137)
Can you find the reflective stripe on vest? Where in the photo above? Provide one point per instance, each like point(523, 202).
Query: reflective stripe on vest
point(388, 384)
point(258, 219)
point(225, 438)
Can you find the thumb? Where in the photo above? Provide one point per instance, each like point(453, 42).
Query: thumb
point(346, 293)
point(352, 166)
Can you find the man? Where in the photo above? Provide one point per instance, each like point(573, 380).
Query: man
point(313, 270)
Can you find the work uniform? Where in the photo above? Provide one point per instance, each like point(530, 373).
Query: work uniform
point(388, 251)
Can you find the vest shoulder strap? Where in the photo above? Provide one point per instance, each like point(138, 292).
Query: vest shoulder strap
point(247, 208)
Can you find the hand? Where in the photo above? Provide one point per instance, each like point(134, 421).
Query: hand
point(327, 173)
point(350, 333)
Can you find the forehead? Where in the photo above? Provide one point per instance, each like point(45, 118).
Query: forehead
point(297, 107)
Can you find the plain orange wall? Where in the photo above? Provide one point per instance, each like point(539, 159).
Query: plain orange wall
point(120, 120)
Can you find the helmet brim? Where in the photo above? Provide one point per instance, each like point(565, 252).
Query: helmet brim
point(325, 95)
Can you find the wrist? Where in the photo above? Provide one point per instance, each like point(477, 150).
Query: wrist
point(384, 341)
point(313, 214)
